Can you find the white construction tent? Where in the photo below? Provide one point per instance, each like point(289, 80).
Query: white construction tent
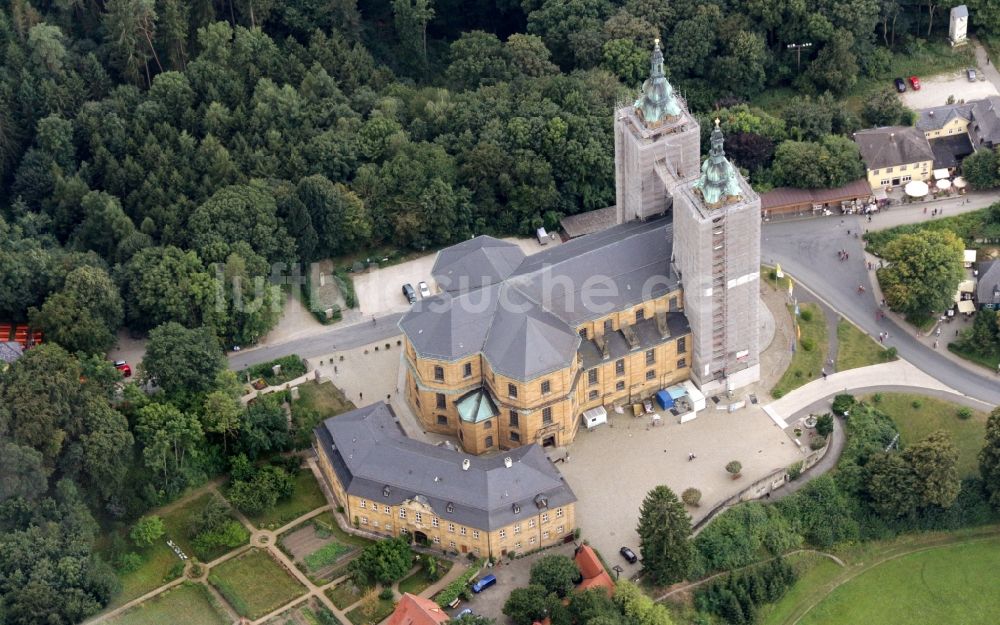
point(595, 417)
point(969, 257)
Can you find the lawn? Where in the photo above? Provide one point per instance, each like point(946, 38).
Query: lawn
point(306, 498)
point(254, 584)
point(326, 522)
point(325, 556)
point(810, 350)
point(307, 612)
point(362, 615)
point(951, 584)
point(190, 604)
point(856, 349)
point(990, 361)
point(815, 576)
point(344, 594)
point(316, 402)
point(418, 582)
point(159, 561)
point(936, 414)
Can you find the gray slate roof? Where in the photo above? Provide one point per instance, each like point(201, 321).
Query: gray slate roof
point(986, 121)
point(988, 287)
point(936, 117)
point(525, 326)
point(10, 351)
point(369, 452)
point(960, 11)
point(475, 263)
point(893, 145)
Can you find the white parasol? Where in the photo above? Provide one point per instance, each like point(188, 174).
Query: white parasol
point(944, 184)
point(960, 183)
point(916, 188)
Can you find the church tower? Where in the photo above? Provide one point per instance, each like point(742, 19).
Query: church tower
point(657, 145)
point(717, 253)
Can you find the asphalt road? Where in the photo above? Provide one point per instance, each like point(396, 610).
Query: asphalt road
point(807, 249)
point(338, 337)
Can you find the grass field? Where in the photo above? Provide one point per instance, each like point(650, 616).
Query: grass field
point(315, 403)
point(361, 615)
point(418, 582)
point(254, 584)
point(306, 612)
point(325, 522)
point(991, 361)
point(190, 604)
point(325, 556)
point(159, 561)
point(935, 414)
point(806, 363)
point(306, 498)
point(952, 584)
point(344, 594)
point(855, 348)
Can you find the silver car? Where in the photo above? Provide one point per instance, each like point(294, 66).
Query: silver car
point(971, 73)
point(424, 289)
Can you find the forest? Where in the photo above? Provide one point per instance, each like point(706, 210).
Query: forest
point(157, 154)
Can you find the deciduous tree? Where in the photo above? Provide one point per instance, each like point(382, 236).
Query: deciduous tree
point(923, 271)
point(555, 573)
point(989, 458)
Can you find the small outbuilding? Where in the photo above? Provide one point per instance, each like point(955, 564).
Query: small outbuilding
point(595, 417)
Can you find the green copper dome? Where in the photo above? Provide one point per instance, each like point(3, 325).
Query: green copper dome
point(718, 183)
point(657, 102)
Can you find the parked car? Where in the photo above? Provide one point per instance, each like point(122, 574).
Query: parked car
point(629, 555)
point(971, 73)
point(124, 367)
point(465, 612)
point(900, 85)
point(409, 293)
point(484, 583)
point(915, 83)
point(425, 291)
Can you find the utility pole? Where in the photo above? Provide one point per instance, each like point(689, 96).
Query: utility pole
point(798, 53)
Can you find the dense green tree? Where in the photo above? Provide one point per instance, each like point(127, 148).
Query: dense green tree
point(24, 474)
point(182, 360)
point(528, 56)
point(590, 604)
point(263, 427)
point(982, 169)
point(989, 458)
point(639, 607)
point(105, 225)
point(934, 461)
point(664, 529)
point(147, 530)
point(555, 573)
point(338, 215)
point(85, 314)
point(626, 60)
point(240, 214)
point(265, 488)
point(836, 66)
point(832, 162)
point(892, 485)
point(923, 271)
point(884, 108)
point(171, 441)
point(477, 58)
point(385, 561)
point(525, 605)
point(164, 284)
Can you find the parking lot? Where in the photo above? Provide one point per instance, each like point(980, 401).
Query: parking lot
point(613, 467)
point(934, 91)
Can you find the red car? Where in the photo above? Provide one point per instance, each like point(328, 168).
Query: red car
point(915, 83)
point(124, 367)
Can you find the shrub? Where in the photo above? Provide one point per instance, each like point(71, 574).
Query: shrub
point(917, 404)
point(890, 354)
point(128, 562)
point(964, 413)
point(817, 443)
point(824, 425)
point(806, 315)
point(147, 530)
point(877, 398)
point(291, 367)
point(772, 275)
point(843, 403)
point(734, 467)
point(229, 534)
point(385, 561)
point(738, 597)
point(795, 471)
point(691, 496)
point(808, 344)
point(385, 594)
point(459, 587)
point(778, 393)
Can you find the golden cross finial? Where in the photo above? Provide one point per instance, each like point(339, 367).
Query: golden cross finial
point(656, 42)
point(716, 122)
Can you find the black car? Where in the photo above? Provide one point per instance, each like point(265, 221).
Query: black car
point(900, 85)
point(409, 293)
point(629, 555)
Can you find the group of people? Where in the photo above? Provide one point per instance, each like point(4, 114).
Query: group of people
point(843, 255)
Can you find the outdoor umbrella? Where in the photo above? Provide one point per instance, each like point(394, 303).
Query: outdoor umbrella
point(944, 184)
point(960, 183)
point(916, 188)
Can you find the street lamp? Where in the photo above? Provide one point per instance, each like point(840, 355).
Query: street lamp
point(798, 52)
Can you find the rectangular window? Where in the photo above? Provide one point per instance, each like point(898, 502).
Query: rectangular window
point(559, 530)
point(362, 504)
point(488, 442)
point(545, 535)
point(475, 533)
point(884, 182)
point(402, 513)
point(673, 304)
point(437, 540)
point(546, 387)
point(907, 178)
point(512, 391)
point(388, 527)
point(583, 333)
point(531, 541)
point(462, 530)
point(374, 523)
point(487, 425)
point(902, 168)
point(451, 528)
point(620, 385)
point(546, 416)
point(388, 510)
point(364, 520)
point(682, 363)
point(418, 517)
point(609, 326)
point(559, 513)
point(503, 533)
point(439, 373)
point(620, 366)
point(651, 374)
point(640, 314)
point(513, 419)
point(650, 356)
point(592, 395)
point(440, 400)
point(467, 370)
point(442, 420)
point(451, 544)
point(592, 377)
point(888, 170)
point(545, 517)
point(531, 523)
point(682, 345)
point(514, 436)
point(435, 522)
point(517, 545)
point(517, 528)
point(875, 172)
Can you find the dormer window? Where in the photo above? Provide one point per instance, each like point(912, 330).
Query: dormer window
point(450, 507)
point(541, 501)
point(517, 509)
point(385, 491)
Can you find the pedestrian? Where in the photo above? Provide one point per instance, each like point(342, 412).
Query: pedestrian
point(361, 395)
point(925, 210)
point(848, 232)
point(373, 319)
point(823, 371)
point(883, 302)
point(935, 343)
point(334, 369)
